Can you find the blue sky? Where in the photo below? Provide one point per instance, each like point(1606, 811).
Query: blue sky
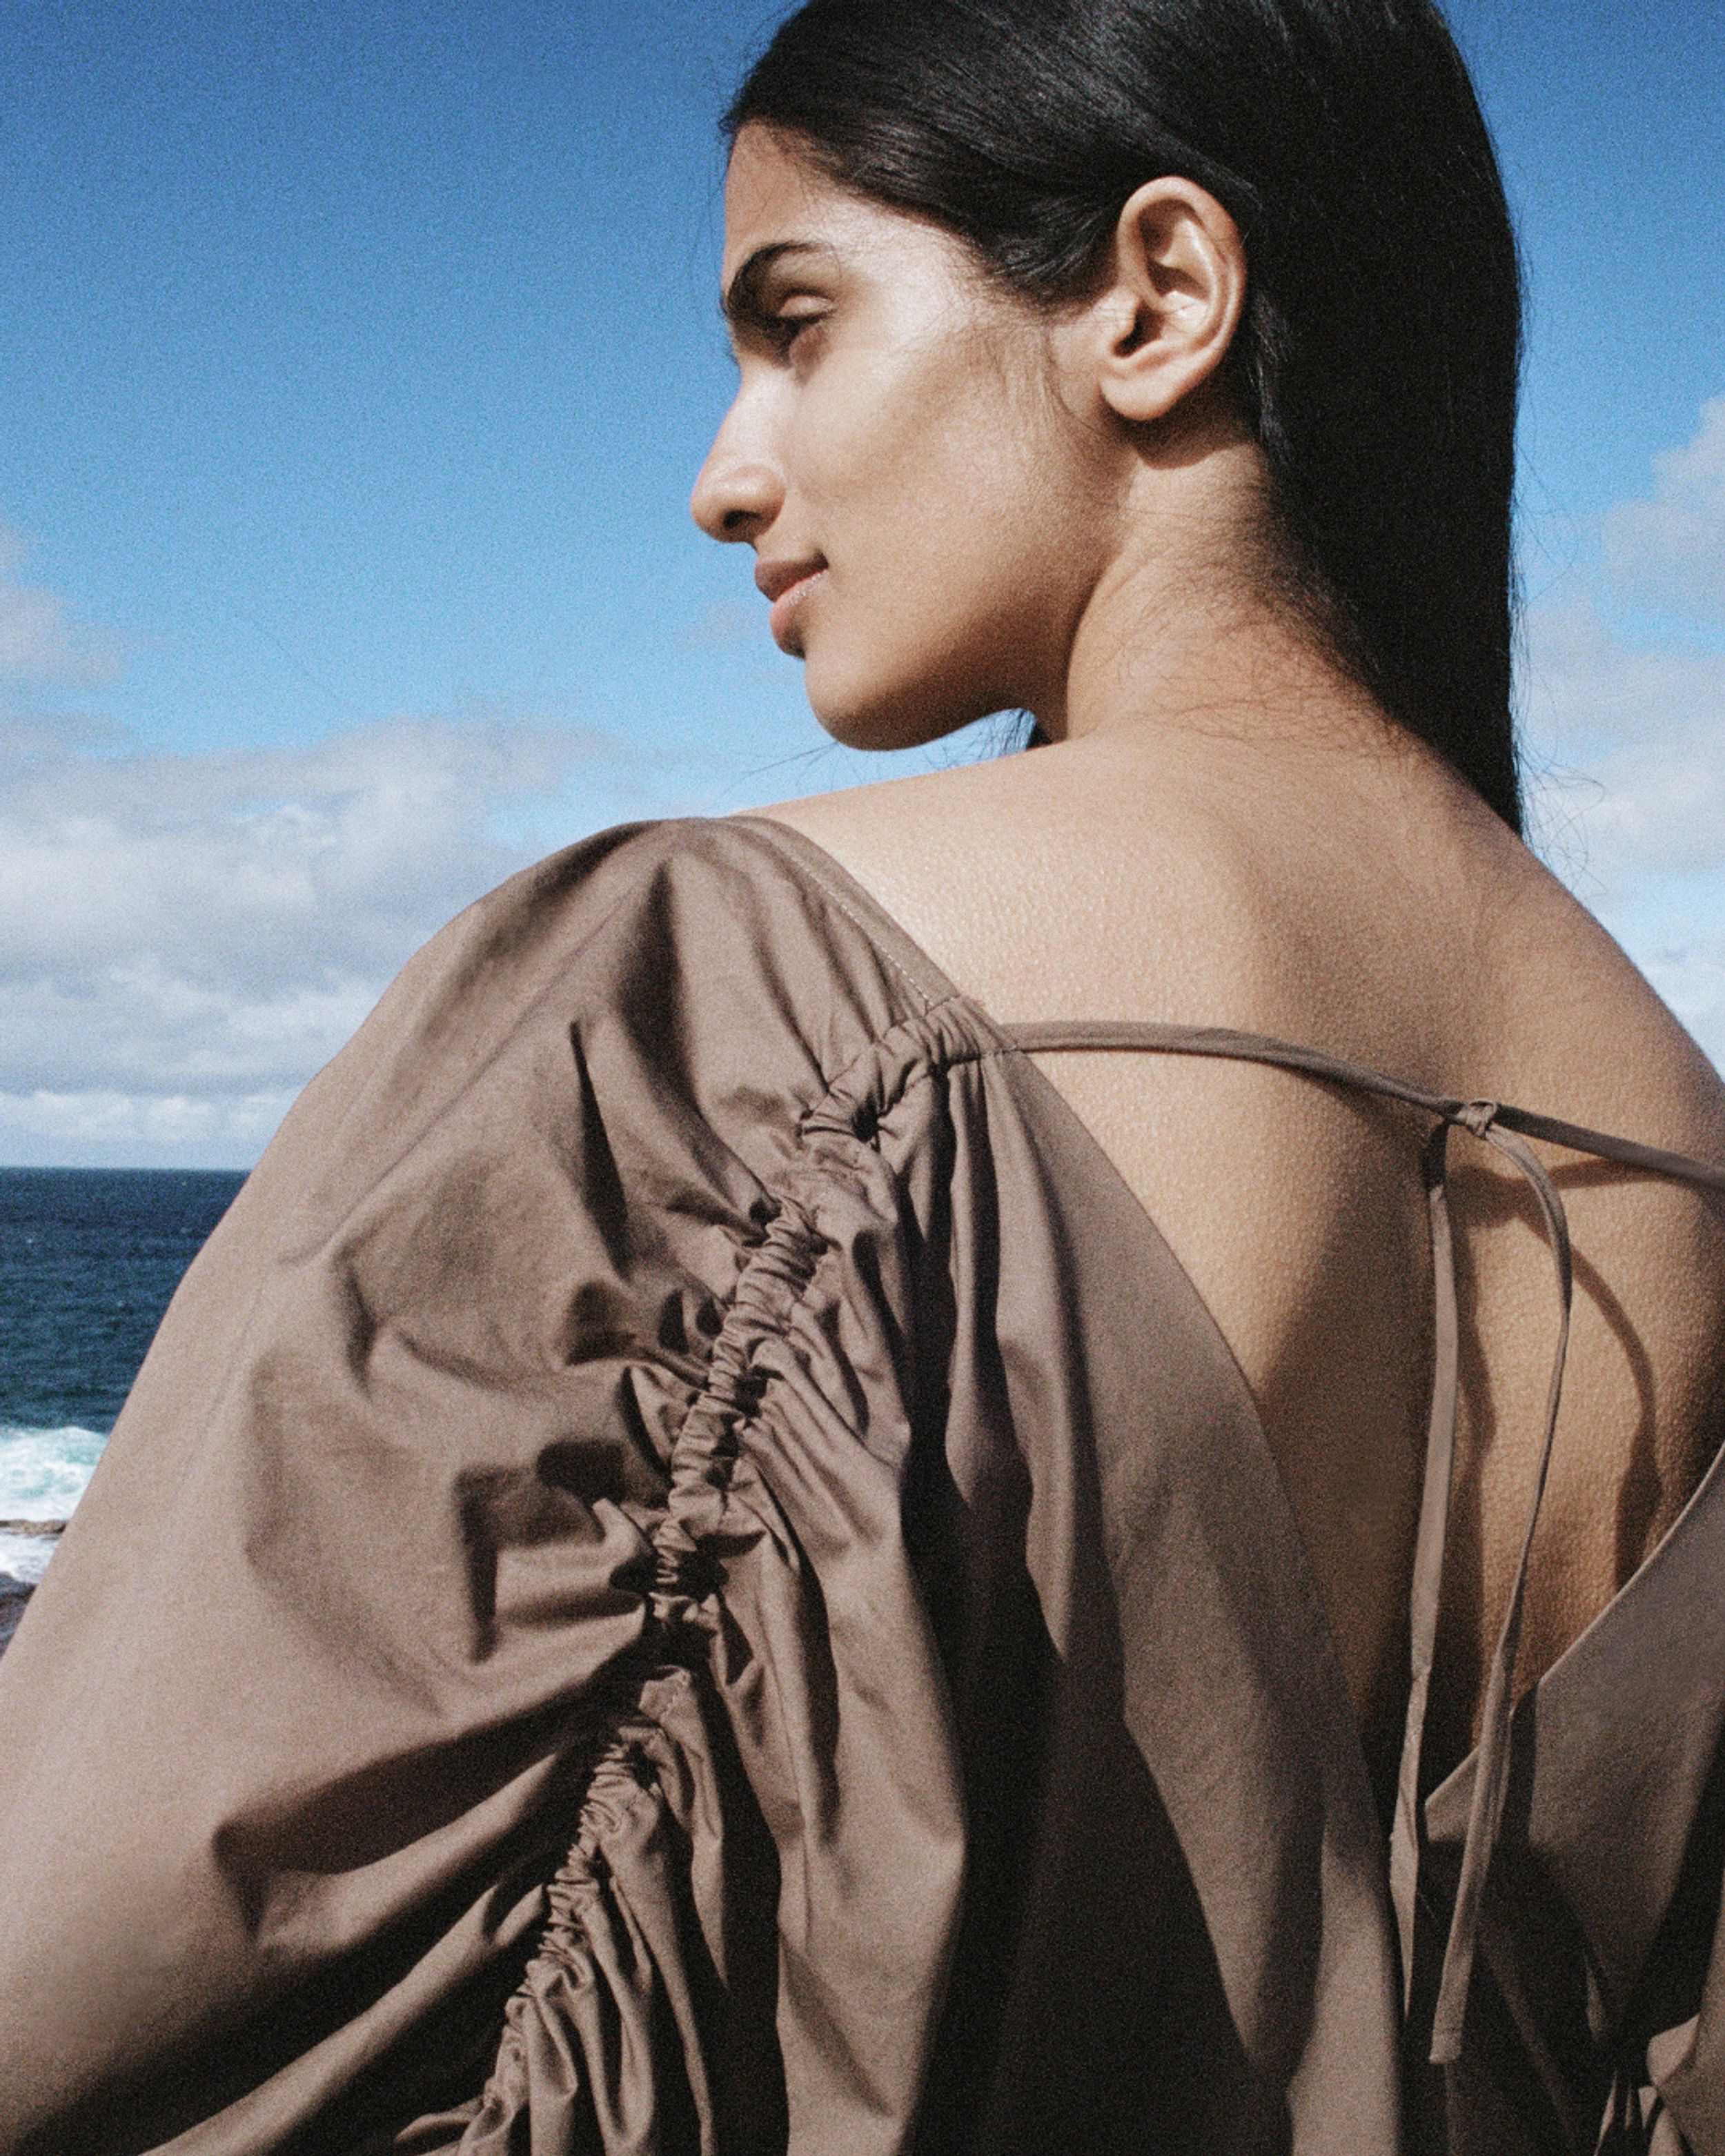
point(357, 359)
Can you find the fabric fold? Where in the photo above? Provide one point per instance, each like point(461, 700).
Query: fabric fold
point(689, 1573)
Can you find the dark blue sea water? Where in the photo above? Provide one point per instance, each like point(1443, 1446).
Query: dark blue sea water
point(88, 1258)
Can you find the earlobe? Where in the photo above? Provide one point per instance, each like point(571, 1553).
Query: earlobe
point(1174, 301)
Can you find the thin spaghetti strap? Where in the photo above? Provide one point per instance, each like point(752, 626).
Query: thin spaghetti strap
point(1490, 1781)
point(1430, 1540)
point(1225, 1042)
point(1506, 1129)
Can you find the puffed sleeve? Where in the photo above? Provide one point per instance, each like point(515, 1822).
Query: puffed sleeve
point(454, 1713)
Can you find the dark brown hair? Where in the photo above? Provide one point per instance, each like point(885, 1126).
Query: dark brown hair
point(1378, 358)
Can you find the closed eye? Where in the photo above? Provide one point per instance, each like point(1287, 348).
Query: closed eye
point(752, 311)
point(785, 331)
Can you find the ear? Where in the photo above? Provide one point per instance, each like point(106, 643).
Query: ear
point(1176, 289)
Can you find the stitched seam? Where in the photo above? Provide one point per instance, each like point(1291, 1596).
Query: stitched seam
point(562, 1932)
point(801, 871)
point(607, 1741)
point(657, 1643)
point(936, 1062)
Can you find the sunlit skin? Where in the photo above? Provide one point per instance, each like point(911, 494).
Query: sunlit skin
point(897, 412)
point(958, 504)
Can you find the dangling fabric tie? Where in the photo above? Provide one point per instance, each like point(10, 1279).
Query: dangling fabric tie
point(1423, 1598)
point(1490, 1773)
point(1506, 1129)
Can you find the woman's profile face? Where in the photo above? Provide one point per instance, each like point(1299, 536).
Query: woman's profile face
point(926, 517)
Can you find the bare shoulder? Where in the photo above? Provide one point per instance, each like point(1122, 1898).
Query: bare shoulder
point(1398, 924)
point(1382, 913)
point(1011, 871)
point(925, 834)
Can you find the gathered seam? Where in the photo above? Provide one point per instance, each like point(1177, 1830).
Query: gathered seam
point(770, 1286)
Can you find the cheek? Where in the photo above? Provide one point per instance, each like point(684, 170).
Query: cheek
point(935, 502)
point(862, 436)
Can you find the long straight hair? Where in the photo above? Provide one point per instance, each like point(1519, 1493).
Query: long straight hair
point(1378, 357)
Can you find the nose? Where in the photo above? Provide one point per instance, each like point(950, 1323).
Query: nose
point(738, 493)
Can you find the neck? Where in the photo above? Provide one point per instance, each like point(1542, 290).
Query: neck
point(1165, 642)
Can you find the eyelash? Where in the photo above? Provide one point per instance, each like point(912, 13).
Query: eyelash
point(787, 328)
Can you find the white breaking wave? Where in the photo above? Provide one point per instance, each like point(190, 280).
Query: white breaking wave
point(43, 1474)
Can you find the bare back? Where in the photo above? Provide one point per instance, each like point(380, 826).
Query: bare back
point(1375, 910)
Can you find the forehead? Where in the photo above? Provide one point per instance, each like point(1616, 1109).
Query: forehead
point(773, 196)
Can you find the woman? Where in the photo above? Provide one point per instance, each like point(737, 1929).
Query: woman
point(760, 1532)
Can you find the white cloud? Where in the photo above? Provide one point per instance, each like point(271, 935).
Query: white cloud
point(1669, 551)
point(184, 939)
point(1692, 979)
point(1625, 732)
point(39, 641)
point(1626, 744)
point(295, 866)
point(133, 1127)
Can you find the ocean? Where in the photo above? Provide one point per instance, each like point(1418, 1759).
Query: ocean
point(88, 1258)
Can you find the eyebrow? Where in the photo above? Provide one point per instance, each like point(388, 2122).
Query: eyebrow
point(744, 306)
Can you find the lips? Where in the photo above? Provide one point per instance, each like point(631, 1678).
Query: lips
point(787, 584)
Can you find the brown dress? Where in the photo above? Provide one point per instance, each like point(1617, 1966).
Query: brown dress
point(687, 1573)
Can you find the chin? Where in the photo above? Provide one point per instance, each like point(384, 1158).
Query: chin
point(872, 711)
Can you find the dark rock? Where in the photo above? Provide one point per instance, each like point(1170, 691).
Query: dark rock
point(14, 1593)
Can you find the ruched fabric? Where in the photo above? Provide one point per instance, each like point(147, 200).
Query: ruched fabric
point(689, 1576)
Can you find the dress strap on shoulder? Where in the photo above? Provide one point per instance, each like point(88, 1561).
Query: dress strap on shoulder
point(1506, 1129)
point(1225, 1042)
